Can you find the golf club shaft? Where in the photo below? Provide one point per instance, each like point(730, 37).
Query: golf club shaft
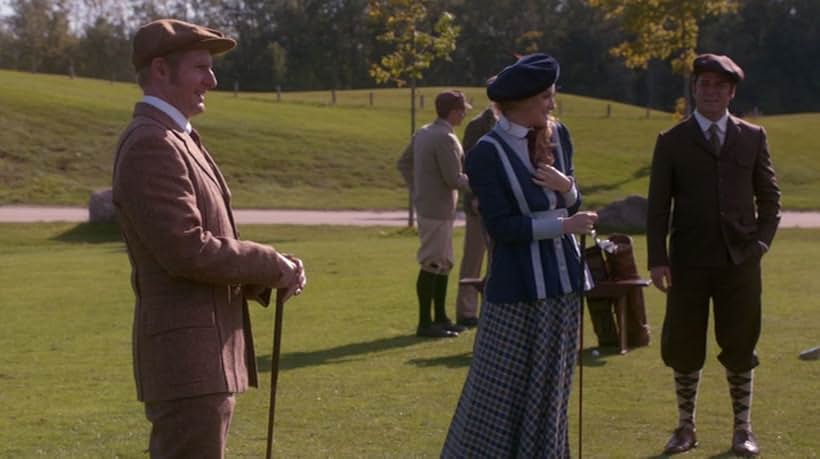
point(581, 346)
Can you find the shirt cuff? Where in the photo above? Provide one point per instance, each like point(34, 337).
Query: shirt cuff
point(763, 246)
point(571, 196)
point(547, 228)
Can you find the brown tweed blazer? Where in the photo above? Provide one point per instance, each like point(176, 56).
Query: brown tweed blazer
point(190, 272)
point(718, 203)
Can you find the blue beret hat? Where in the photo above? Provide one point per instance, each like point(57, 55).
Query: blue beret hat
point(530, 75)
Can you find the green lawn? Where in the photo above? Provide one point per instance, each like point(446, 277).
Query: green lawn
point(59, 134)
point(355, 382)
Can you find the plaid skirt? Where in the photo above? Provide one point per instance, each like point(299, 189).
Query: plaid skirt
point(514, 401)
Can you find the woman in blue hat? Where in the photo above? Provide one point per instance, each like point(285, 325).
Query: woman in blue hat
point(514, 401)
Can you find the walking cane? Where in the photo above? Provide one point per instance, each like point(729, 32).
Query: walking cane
point(274, 364)
point(582, 278)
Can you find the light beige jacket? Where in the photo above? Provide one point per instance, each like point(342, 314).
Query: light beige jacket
point(432, 165)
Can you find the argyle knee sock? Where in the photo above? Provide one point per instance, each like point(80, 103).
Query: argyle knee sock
point(425, 285)
point(740, 388)
point(686, 388)
point(439, 297)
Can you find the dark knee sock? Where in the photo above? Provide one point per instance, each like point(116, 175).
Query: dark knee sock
point(440, 297)
point(740, 388)
point(686, 388)
point(425, 285)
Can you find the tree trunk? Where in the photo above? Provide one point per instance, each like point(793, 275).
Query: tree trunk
point(410, 213)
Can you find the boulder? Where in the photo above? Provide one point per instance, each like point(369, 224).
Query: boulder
point(625, 216)
point(811, 354)
point(101, 207)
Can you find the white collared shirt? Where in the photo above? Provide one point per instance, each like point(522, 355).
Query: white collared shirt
point(516, 137)
point(169, 110)
point(706, 123)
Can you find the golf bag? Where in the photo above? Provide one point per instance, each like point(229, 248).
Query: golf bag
point(615, 263)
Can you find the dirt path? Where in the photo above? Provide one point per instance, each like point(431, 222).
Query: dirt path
point(28, 214)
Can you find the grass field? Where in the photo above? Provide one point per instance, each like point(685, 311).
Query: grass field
point(355, 382)
point(59, 134)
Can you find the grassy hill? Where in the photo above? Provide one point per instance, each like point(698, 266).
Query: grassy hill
point(58, 137)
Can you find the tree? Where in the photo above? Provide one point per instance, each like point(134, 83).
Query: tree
point(8, 58)
point(100, 50)
point(414, 48)
point(279, 56)
point(661, 29)
point(775, 41)
point(41, 34)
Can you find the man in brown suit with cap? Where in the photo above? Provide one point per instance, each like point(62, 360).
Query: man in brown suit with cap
point(712, 174)
point(191, 274)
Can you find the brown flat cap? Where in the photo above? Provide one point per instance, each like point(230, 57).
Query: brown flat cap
point(165, 36)
point(718, 64)
point(451, 100)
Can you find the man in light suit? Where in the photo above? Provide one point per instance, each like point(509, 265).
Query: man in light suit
point(432, 166)
point(191, 274)
point(713, 175)
point(475, 238)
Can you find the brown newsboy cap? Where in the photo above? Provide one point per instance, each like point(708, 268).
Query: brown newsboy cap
point(165, 36)
point(718, 64)
point(451, 100)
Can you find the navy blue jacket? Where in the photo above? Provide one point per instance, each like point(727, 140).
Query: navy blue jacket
point(521, 268)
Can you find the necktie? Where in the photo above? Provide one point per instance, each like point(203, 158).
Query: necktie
point(207, 157)
point(714, 138)
point(531, 147)
point(195, 135)
point(219, 178)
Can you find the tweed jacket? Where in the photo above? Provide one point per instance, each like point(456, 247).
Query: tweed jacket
point(190, 272)
point(724, 204)
point(432, 164)
point(475, 129)
point(523, 266)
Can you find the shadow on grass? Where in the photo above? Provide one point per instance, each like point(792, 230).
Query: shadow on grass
point(638, 174)
point(340, 354)
point(91, 233)
point(449, 361)
point(463, 360)
point(724, 455)
point(356, 351)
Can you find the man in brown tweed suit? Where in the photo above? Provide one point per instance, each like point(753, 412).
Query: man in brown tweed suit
point(191, 274)
point(713, 196)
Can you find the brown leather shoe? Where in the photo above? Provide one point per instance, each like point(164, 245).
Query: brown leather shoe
point(683, 439)
point(744, 443)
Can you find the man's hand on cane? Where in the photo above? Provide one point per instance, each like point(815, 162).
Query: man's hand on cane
point(293, 277)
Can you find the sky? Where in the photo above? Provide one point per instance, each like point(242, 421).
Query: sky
point(5, 9)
